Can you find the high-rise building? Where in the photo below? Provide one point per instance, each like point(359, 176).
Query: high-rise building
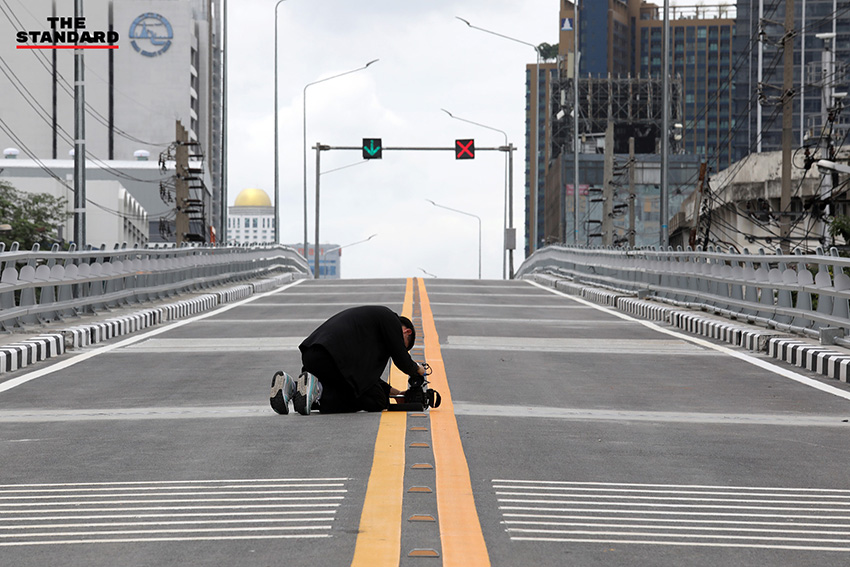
point(538, 85)
point(702, 57)
point(166, 67)
point(820, 60)
point(620, 52)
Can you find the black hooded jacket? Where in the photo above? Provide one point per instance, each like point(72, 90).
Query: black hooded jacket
point(361, 341)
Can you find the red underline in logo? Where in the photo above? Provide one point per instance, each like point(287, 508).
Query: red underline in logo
point(67, 47)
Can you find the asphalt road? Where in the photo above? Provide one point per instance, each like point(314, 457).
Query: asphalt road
point(569, 435)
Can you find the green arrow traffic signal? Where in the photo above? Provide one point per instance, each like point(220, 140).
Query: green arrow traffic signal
point(372, 148)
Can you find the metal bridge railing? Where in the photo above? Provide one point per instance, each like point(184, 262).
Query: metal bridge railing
point(798, 293)
point(42, 286)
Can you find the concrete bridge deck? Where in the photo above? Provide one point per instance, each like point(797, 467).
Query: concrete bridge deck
point(569, 434)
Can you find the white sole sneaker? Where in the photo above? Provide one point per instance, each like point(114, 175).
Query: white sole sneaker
point(306, 393)
point(283, 387)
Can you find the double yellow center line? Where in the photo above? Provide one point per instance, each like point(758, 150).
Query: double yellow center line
point(379, 540)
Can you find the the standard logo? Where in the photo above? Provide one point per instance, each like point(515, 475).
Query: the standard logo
point(151, 34)
point(67, 33)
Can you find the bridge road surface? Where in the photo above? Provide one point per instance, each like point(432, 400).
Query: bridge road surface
point(569, 435)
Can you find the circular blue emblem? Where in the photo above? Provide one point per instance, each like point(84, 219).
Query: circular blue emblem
point(151, 34)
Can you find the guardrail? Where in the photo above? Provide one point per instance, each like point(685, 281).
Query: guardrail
point(42, 286)
point(804, 294)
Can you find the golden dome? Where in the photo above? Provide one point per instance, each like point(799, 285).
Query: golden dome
point(252, 198)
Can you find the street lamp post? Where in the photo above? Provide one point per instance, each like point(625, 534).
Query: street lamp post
point(304, 137)
point(276, 143)
point(326, 252)
point(532, 230)
point(479, 229)
point(508, 216)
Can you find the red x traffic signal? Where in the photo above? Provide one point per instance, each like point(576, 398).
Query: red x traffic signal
point(464, 149)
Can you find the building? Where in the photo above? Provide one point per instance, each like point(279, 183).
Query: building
point(330, 258)
point(113, 214)
point(741, 209)
point(702, 58)
point(619, 79)
point(251, 218)
point(166, 68)
point(758, 83)
point(539, 88)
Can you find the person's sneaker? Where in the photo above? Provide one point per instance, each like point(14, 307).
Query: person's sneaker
point(306, 393)
point(283, 387)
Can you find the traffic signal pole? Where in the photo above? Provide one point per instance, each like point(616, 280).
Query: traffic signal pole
point(462, 151)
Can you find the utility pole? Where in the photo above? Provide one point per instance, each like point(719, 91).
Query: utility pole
point(79, 141)
point(608, 174)
point(665, 128)
point(826, 108)
point(510, 240)
point(576, 65)
point(692, 239)
point(181, 184)
point(608, 187)
point(632, 196)
point(787, 118)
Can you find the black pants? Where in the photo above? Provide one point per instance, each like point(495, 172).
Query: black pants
point(337, 394)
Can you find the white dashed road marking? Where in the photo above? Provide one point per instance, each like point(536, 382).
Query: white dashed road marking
point(808, 519)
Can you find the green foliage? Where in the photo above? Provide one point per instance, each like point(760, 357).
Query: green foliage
point(548, 52)
point(840, 226)
point(34, 217)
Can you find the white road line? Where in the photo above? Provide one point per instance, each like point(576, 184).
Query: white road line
point(641, 505)
point(559, 344)
point(683, 544)
point(143, 511)
point(739, 355)
point(554, 499)
point(152, 508)
point(502, 305)
point(725, 521)
point(24, 378)
point(673, 527)
point(218, 344)
point(204, 412)
point(687, 486)
point(663, 489)
point(680, 515)
point(161, 539)
point(490, 410)
point(329, 517)
point(172, 531)
point(176, 500)
point(81, 497)
point(284, 306)
point(165, 523)
point(703, 536)
point(177, 487)
point(597, 510)
point(161, 482)
point(508, 320)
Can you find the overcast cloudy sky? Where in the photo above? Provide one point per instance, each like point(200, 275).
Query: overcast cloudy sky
point(428, 60)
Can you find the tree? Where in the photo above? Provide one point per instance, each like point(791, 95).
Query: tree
point(34, 217)
point(547, 51)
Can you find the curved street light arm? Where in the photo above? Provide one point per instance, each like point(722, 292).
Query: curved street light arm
point(536, 48)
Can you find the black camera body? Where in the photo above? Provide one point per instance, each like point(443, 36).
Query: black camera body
point(418, 391)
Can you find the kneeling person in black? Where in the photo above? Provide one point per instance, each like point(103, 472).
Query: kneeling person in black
point(343, 361)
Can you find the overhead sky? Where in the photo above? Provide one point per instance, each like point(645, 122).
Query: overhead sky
point(428, 61)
